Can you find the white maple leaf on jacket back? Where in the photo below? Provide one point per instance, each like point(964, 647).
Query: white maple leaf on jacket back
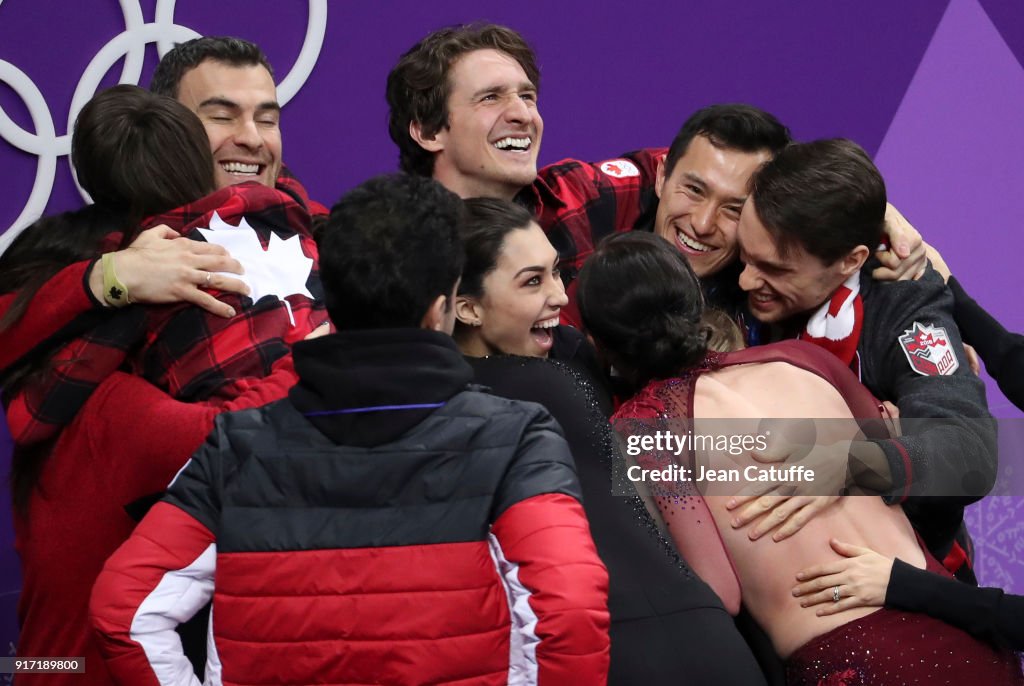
point(280, 270)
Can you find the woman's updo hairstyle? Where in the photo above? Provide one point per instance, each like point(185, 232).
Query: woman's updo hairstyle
point(642, 303)
point(488, 221)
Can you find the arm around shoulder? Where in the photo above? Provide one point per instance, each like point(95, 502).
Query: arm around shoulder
point(1002, 351)
point(57, 303)
point(915, 358)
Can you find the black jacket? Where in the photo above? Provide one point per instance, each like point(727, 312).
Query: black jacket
point(947, 457)
point(987, 613)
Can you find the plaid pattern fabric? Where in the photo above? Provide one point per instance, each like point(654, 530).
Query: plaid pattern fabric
point(186, 351)
point(287, 183)
point(579, 203)
point(55, 308)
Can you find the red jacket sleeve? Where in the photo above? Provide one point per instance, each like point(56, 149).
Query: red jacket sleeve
point(152, 434)
point(558, 590)
point(55, 305)
point(582, 202)
point(160, 577)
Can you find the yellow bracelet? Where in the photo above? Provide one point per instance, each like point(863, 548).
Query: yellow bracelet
point(115, 293)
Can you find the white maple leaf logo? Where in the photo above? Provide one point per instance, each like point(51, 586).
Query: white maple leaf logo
point(280, 270)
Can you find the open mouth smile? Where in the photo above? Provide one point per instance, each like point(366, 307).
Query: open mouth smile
point(242, 168)
point(543, 333)
point(692, 245)
point(761, 301)
point(514, 144)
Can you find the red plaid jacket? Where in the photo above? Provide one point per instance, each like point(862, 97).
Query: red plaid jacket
point(191, 354)
point(579, 203)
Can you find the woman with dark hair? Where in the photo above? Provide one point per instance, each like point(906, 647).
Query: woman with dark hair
point(649, 323)
point(510, 296)
point(667, 626)
point(94, 446)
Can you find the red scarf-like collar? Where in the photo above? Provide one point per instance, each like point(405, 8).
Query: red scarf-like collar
point(836, 325)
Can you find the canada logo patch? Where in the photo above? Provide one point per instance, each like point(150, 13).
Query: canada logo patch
point(928, 350)
point(620, 169)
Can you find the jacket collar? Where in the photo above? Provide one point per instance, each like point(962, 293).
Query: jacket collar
point(369, 387)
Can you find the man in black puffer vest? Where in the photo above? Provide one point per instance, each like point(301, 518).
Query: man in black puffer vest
point(386, 523)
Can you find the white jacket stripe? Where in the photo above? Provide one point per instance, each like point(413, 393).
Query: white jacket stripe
point(522, 664)
point(178, 596)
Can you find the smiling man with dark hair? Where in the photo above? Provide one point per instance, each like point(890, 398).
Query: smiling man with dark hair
point(463, 109)
point(229, 84)
point(806, 234)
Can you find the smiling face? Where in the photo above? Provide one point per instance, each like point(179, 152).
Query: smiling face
point(522, 298)
point(489, 148)
point(700, 202)
point(779, 288)
point(238, 107)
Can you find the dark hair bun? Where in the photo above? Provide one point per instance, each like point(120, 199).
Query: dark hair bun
point(670, 343)
point(641, 301)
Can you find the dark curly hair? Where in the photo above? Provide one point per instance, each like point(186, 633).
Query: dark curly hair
point(388, 249)
point(418, 86)
point(642, 303)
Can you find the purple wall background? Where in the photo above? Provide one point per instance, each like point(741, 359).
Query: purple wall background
point(933, 89)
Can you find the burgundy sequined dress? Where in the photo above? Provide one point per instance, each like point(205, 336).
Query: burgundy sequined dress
point(887, 647)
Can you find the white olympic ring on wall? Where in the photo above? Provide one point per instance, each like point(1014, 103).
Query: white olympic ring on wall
point(130, 44)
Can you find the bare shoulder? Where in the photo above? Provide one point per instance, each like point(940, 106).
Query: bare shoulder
point(767, 389)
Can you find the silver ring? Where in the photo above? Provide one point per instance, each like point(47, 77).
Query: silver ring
point(208, 276)
point(835, 594)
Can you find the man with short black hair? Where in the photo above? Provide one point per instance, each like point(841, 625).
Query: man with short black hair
point(229, 50)
point(229, 83)
point(806, 235)
point(342, 514)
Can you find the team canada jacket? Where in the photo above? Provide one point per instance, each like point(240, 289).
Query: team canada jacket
point(382, 525)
